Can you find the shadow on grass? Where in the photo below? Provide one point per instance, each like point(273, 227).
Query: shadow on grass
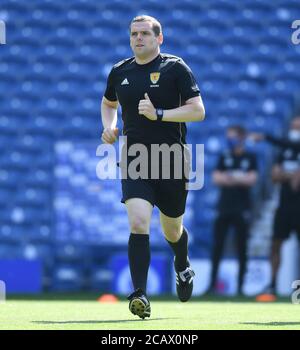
point(102, 321)
point(272, 323)
point(163, 298)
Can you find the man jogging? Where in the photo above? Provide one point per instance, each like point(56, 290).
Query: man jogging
point(158, 94)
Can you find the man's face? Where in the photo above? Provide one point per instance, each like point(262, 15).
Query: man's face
point(232, 134)
point(234, 139)
point(143, 41)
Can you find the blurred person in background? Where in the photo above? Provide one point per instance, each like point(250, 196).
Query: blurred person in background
point(291, 141)
point(158, 94)
point(286, 172)
point(235, 174)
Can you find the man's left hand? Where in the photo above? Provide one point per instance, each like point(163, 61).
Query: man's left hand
point(147, 109)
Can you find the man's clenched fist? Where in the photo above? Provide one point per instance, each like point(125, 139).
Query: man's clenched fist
point(109, 135)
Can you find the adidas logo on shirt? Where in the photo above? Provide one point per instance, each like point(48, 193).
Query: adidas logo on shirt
point(125, 82)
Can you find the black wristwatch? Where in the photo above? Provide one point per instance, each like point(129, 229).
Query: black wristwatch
point(159, 114)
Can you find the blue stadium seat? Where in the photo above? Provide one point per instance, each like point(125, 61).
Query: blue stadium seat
point(67, 277)
point(39, 178)
point(63, 48)
point(287, 11)
point(9, 123)
point(9, 84)
point(6, 195)
point(40, 234)
point(70, 252)
point(8, 175)
point(14, 10)
point(10, 250)
point(257, 10)
point(10, 233)
point(33, 197)
point(39, 251)
point(100, 278)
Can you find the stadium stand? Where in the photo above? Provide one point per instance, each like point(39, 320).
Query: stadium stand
point(53, 73)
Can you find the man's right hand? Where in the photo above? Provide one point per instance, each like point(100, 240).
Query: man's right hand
point(109, 135)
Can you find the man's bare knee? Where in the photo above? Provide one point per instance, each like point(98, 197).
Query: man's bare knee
point(139, 224)
point(139, 214)
point(173, 234)
point(172, 227)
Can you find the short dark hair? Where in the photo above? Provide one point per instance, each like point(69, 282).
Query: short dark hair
point(156, 26)
point(240, 130)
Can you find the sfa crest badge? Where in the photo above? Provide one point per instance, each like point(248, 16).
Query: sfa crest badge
point(154, 77)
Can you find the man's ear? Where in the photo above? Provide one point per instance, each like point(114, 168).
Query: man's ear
point(160, 39)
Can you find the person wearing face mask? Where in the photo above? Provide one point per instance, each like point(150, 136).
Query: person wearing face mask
point(235, 174)
point(292, 140)
point(286, 172)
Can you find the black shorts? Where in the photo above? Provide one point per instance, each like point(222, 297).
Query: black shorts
point(286, 222)
point(169, 195)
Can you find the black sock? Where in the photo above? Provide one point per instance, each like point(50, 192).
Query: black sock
point(180, 249)
point(273, 283)
point(139, 259)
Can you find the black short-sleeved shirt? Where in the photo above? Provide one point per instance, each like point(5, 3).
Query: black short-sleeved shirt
point(236, 198)
point(168, 81)
point(289, 160)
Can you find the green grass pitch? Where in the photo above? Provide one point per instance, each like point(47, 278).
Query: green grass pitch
point(86, 313)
